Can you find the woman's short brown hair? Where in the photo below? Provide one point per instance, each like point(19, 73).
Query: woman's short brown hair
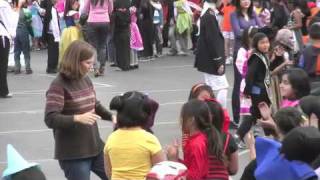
point(70, 65)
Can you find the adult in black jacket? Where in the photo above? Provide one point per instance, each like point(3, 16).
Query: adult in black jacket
point(210, 58)
point(51, 35)
point(279, 17)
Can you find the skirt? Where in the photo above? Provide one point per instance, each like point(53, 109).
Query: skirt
point(69, 35)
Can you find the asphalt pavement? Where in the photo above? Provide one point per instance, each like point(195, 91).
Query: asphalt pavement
point(167, 80)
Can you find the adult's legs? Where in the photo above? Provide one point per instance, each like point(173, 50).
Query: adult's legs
point(17, 53)
point(183, 41)
point(25, 44)
point(236, 94)
point(158, 38)
point(173, 40)
point(147, 37)
point(97, 166)
point(4, 55)
point(102, 32)
point(97, 34)
point(122, 44)
point(53, 54)
point(78, 169)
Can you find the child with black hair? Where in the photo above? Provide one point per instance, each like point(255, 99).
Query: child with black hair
point(130, 151)
point(241, 64)
point(310, 56)
point(258, 80)
point(203, 151)
point(294, 85)
point(230, 147)
point(283, 122)
point(202, 92)
point(310, 106)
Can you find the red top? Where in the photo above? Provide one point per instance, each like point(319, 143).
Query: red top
point(200, 164)
point(226, 22)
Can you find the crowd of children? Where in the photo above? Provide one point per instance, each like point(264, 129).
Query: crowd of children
point(274, 46)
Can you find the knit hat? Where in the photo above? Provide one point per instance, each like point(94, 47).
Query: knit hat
point(167, 170)
point(16, 162)
point(284, 37)
point(302, 144)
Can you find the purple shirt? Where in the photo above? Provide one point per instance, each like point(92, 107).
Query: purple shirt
point(239, 24)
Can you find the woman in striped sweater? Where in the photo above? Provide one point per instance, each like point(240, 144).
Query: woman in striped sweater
point(72, 111)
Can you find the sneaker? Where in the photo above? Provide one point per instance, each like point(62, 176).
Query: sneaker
point(17, 71)
point(229, 60)
point(172, 52)
point(182, 53)
point(239, 142)
point(29, 71)
point(9, 95)
point(233, 125)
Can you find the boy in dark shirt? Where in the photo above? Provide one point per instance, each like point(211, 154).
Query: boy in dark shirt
point(310, 58)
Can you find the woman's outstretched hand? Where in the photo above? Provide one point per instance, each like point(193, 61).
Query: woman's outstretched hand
point(88, 118)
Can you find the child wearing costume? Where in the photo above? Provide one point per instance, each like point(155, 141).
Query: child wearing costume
point(72, 31)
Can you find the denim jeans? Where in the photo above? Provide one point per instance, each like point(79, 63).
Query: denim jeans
point(79, 169)
point(22, 44)
point(97, 37)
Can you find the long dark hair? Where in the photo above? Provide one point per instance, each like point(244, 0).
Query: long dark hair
point(255, 40)
point(217, 113)
point(68, 7)
point(200, 113)
point(299, 81)
point(239, 12)
point(246, 36)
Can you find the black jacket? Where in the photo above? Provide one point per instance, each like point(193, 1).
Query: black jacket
point(210, 53)
point(47, 5)
point(257, 75)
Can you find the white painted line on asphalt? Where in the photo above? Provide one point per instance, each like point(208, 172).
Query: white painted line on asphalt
point(95, 83)
point(170, 67)
point(102, 84)
point(35, 111)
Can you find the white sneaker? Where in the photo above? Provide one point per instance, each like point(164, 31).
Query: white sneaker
point(229, 60)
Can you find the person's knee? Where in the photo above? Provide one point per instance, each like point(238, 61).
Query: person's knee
point(79, 170)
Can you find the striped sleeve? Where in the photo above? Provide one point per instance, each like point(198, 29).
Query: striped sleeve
point(54, 106)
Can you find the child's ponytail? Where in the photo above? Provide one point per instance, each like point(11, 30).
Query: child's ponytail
point(215, 145)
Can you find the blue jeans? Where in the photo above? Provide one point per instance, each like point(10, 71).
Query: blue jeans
point(79, 169)
point(22, 44)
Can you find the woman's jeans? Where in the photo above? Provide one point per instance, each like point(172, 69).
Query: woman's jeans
point(22, 44)
point(79, 169)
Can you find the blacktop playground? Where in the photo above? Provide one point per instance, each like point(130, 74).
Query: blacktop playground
point(167, 80)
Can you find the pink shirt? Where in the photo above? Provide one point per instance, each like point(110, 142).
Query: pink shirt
point(288, 103)
point(98, 13)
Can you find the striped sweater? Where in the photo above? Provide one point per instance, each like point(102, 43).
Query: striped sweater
point(64, 99)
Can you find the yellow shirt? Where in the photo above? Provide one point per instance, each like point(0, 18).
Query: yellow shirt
point(130, 153)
